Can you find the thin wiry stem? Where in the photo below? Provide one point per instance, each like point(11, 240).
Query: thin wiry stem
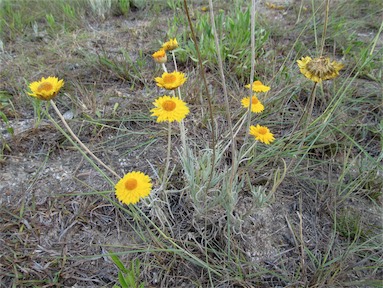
point(174, 61)
point(308, 113)
point(234, 165)
point(182, 125)
point(209, 102)
point(301, 240)
point(376, 39)
point(167, 156)
point(213, 140)
point(311, 106)
point(252, 71)
point(223, 82)
point(226, 98)
point(314, 24)
point(164, 67)
point(79, 141)
point(299, 13)
point(325, 27)
point(176, 69)
point(305, 113)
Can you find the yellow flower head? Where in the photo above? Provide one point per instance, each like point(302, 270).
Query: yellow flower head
point(160, 56)
point(171, 81)
point(274, 6)
point(319, 69)
point(262, 134)
point(45, 89)
point(169, 109)
point(132, 187)
point(256, 105)
point(170, 45)
point(258, 87)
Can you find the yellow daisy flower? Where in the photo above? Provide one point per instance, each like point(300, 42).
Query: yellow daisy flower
point(274, 6)
point(160, 56)
point(169, 109)
point(132, 187)
point(171, 81)
point(45, 89)
point(262, 134)
point(170, 45)
point(319, 69)
point(256, 105)
point(258, 87)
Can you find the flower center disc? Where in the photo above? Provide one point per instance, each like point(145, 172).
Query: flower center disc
point(131, 184)
point(262, 131)
point(169, 78)
point(320, 67)
point(254, 100)
point(45, 86)
point(169, 105)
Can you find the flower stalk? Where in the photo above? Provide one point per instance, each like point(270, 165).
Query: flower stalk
point(168, 155)
point(82, 145)
point(252, 70)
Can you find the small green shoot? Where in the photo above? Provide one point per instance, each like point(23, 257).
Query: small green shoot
point(124, 6)
point(128, 277)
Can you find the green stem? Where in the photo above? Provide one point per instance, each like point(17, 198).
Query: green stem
point(376, 39)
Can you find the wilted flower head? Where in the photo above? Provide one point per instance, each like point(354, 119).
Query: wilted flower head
point(45, 89)
point(262, 134)
point(171, 81)
point(170, 45)
point(319, 69)
point(160, 56)
point(257, 86)
point(132, 187)
point(169, 109)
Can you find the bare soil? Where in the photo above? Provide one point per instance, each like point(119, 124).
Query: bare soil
point(56, 226)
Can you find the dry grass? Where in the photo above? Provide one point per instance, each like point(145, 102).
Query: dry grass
point(321, 226)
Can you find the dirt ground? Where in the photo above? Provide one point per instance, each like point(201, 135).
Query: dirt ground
point(56, 222)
